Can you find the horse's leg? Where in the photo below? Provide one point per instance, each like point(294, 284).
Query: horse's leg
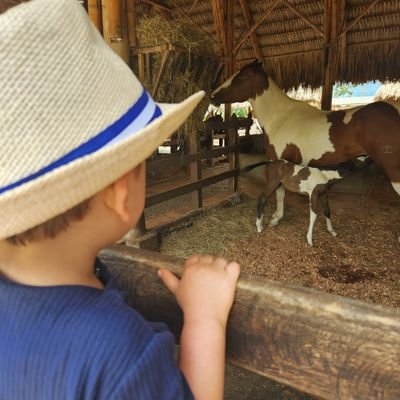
point(278, 214)
point(313, 215)
point(323, 198)
point(396, 187)
point(260, 212)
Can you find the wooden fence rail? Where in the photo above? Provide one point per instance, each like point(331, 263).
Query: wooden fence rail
point(326, 345)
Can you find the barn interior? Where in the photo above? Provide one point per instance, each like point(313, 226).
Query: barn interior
point(196, 199)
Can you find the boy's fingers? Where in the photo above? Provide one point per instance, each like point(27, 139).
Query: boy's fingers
point(169, 280)
point(234, 269)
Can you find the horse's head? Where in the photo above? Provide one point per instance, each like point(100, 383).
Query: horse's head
point(247, 83)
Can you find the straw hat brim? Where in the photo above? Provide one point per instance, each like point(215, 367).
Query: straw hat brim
point(34, 202)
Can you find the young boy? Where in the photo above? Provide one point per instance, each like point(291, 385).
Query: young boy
point(75, 129)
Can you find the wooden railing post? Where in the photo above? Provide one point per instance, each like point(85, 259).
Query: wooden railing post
point(195, 168)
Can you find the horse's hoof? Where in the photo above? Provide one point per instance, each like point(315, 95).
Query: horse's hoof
point(274, 222)
point(334, 234)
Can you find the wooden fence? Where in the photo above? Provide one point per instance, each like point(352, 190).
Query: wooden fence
point(193, 161)
point(329, 346)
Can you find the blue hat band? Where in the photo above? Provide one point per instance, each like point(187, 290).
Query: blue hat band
point(141, 114)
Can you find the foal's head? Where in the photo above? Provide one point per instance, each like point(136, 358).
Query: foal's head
point(247, 83)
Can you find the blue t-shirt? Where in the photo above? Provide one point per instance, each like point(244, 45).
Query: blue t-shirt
point(77, 342)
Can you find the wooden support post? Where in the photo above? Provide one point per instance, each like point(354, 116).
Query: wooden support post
point(114, 27)
point(233, 157)
point(195, 168)
point(329, 346)
point(94, 11)
point(327, 87)
point(160, 73)
point(132, 22)
point(333, 20)
point(147, 68)
point(141, 67)
point(230, 67)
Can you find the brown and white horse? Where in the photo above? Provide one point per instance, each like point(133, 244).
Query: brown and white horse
point(300, 133)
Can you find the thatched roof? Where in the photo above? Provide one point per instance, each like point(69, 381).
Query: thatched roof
point(388, 91)
point(293, 35)
point(301, 42)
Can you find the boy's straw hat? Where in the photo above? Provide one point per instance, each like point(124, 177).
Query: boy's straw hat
point(73, 116)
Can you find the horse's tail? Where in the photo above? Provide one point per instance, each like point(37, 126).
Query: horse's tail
point(256, 165)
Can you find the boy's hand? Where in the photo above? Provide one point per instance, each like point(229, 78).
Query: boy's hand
point(206, 290)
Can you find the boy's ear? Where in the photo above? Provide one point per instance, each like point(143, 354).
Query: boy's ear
point(116, 197)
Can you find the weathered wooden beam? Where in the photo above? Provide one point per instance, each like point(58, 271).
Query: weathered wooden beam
point(160, 73)
point(132, 22)
point(113, 28)
point(246, 34)
point(249, 22)
point(189, 18)
point(182, 160)
point(219, 26)
point(156, 4)
point(303, 18)
point(330, 54)
point(365, 12)
point(329, 346)
point(190, 187)
point(195, 169)
point(94, 11)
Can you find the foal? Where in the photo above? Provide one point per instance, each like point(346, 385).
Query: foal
point(312, 182)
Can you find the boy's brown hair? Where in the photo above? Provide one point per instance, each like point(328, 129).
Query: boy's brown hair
point(51, 228)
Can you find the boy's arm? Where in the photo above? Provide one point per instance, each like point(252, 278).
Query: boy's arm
point(205, 294)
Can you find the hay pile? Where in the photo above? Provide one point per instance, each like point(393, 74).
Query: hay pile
point(186, 71)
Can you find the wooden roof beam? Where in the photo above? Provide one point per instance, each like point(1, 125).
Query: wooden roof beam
point(260, 20)
point(303, 18)
point(366, 11)
point(189, 18)
point(249, 22)
point(219, 26)
point(156, 4)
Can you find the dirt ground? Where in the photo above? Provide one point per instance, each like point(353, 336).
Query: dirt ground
point(361, 262)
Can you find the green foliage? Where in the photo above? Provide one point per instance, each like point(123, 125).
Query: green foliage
point(343, 89)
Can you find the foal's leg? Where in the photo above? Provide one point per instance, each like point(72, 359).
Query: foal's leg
point(313, 215)
point(327, 212)
point(260, 212)
point(278, 214)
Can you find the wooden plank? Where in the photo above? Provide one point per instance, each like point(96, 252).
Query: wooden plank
point(141, 67)
point(195, 169)
point(160, 73)
point(329, 346)
point(190, 187)
point(176, 161)
point(233, 158)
